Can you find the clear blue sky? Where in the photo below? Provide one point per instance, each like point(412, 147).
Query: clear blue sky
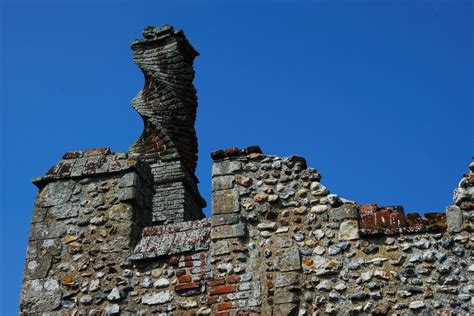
point(377, 96)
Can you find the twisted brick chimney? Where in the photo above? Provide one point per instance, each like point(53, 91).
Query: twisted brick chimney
point(167, 103)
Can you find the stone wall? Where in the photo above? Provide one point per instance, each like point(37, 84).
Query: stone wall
point(124, 233)
point(88, 217)
point(314, 252)
point(277, 243)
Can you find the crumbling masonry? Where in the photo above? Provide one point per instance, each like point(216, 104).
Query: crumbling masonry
point(124, 233)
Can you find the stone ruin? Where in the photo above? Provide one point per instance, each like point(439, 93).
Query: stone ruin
point(124, 233)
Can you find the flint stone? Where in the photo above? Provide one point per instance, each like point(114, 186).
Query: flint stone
point(188, 304)
point(462, 195)
point(94, 285)
point(423, 243)
point(319, 209)
point(325, 285)
point(226, 201)
point(287, 259)
point(273, 198)
point(340, 286)
point(367, 276)
point(227, 231)
point(112, 310)
point(161, 282)
point(267, 226)
point(359, 296)
point(318, 250)
point(416, 305)
point(458, 251)
point(346, 211)
point(318, 234)
point(86, 299)
point(334, 250)
point(298, 236)
point(115, 294)
point(454, 219)
point(349, 230)
point(157, 298)
point(225, 167)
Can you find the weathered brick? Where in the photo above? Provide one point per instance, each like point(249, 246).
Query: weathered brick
point(233, 279)
point(216, 282)
point(225, 306)
point(185, 279)
point(186, 286)
point(223, 289)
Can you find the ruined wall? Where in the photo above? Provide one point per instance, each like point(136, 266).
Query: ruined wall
point(316, 252)
point(124, 233)
point(277, 243)
point(88, 217)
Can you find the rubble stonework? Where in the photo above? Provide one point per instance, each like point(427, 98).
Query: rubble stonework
point(110, 232)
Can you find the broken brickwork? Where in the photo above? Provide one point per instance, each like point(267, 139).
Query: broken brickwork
point(123, 233)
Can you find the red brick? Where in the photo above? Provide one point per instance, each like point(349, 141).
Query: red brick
point(185, 278)
point(269, 284)
point(413, 219)
point(367, 209)
point(216, 282)
point(232, 151)
point(223, 289)
point(180, 272)
point(382, 219)
point(187, 258)
point(212, 299)
point(233, 279)
point(224, 306)
point(398, 220)
point(186, 286)
point(222, 314)
point(188, 263)
point(174, 260)
point(367, 220)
